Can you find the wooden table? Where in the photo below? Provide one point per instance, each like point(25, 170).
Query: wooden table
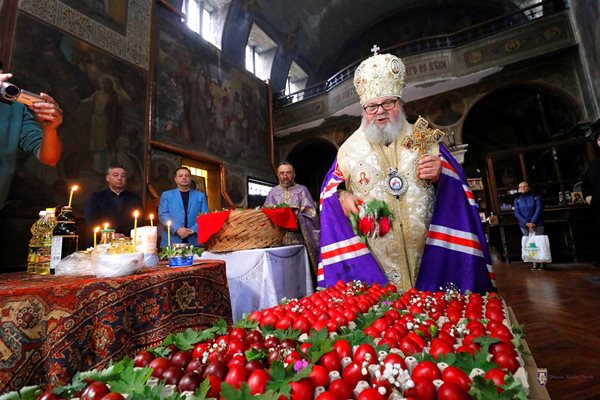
point(54, 326)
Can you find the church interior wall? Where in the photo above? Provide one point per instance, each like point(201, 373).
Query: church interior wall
point(120, 86)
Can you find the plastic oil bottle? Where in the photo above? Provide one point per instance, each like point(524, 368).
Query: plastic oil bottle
point(45, 249)
point(35, 243)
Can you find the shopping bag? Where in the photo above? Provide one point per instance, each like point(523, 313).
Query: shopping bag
point(536, 248)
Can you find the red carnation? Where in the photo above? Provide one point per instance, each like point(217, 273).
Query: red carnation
point(384, 225)
point(366, 225)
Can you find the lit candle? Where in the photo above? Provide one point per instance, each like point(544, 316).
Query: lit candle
point(73, 188)
point(135, 217)
point(96, 230)
point(106, 225)
point(151, 219)
point(168, 233)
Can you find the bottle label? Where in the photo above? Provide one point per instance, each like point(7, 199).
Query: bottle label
point(62, 246)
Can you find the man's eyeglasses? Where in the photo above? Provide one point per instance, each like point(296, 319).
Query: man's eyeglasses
point(386, 105)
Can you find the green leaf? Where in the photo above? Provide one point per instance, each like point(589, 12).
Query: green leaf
point(365, 320)
point(281, 378)
point(202, 391)
point(26, 393)
point(228, 392)
point(254, 354)
point(69, 391)
point(187, 339)
point(245, 323)
point(320, 344)
point(287, 334)
point(484, 389)
point(161, 351)
point(155, 393)
point(355, 338)
point(131, 380)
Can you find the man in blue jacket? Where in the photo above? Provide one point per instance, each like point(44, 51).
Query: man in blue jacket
point(528, 210)
point(181, 206)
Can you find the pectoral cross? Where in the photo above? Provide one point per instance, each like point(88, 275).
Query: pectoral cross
point(375, 49)
point(422, 139)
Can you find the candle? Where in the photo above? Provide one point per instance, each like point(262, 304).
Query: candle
point(135, 217)
point(73, 188)
point(168, 233)
point(151, 219)
point(106, 225)
point(96, 230)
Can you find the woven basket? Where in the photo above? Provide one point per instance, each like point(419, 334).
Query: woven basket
point(244, 230)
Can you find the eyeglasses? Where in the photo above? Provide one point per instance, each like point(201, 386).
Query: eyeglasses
point(386, 105)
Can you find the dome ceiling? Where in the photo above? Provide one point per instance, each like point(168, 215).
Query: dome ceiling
point(323, 37)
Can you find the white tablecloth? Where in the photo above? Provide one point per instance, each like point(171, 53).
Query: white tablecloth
point(260, 278)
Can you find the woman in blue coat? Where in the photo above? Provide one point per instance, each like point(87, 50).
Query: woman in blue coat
point(528, 210)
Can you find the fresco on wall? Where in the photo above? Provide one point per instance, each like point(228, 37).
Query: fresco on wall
point(205, 104)
point(587, 17)
point(103, 99)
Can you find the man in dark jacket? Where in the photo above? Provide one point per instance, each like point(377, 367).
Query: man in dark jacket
point(528, 210)
point(591, 187)
point(114, 205)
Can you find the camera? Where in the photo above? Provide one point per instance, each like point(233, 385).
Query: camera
point(12, 93)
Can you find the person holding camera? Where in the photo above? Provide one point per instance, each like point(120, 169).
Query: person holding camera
point(32, 128)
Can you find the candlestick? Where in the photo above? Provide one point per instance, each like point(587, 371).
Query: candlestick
point(73, 188)
point(151, 219)
point(135, 217)
point(96, 230)
point(168, 233)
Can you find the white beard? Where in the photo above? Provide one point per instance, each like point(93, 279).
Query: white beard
point(386, 134)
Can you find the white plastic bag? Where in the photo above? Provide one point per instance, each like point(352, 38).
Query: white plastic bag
point(111, 265)
point(78, 263)
point(536, 248)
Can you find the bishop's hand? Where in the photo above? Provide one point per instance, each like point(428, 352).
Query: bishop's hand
point(429, 168)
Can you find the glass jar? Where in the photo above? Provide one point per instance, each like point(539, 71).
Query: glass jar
point(107, 236)
point(182, 255)
point(122, 245)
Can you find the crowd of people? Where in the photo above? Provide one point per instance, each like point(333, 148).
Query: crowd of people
point(386, 160)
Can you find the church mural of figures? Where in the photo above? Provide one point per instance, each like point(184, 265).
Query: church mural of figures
point(103, 99)
point(207, 105)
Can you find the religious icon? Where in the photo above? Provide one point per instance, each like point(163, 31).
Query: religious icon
point(396, 184)
point(363, 179)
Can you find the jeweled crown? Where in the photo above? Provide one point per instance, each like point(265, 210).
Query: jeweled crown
point(378, 76)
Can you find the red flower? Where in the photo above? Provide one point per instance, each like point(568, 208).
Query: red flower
point(366, 225)
point(384, 225)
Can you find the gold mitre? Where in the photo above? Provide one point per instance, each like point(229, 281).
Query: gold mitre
point(378, 76)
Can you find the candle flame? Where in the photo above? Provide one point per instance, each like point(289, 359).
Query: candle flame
point(168, 223)
point(151, 216)
point(74, 188)
point(106, 225)
point(136, 213)
point(96, 229)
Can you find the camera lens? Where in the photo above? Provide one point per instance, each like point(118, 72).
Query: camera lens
point(9, 91)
